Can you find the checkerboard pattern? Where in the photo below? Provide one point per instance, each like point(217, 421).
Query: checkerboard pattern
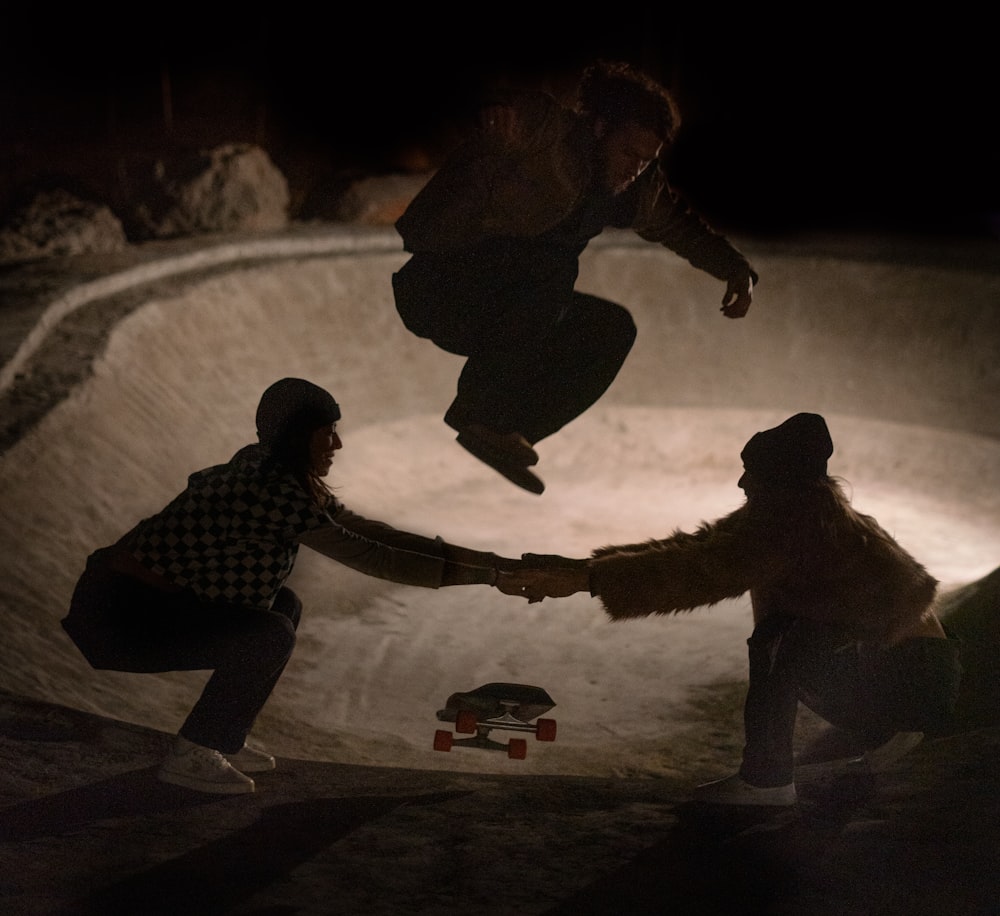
point(232, 535)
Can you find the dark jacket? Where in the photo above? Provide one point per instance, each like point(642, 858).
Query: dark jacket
point(524, 182)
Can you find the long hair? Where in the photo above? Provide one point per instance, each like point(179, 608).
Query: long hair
point(289, 412)
point(815, 509)
point(816, 521)
point(292, 451)
point(618, 93)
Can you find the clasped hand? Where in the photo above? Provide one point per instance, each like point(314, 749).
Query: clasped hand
point(539, 576)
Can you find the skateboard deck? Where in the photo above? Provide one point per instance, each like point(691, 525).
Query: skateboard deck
point(500, 706)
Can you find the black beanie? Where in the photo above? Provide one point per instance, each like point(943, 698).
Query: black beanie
point(293, 405)
point(794, 452)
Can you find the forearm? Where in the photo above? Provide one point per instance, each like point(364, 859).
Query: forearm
point(669, 221)
point(377, 549)
point(638, 586)
point(705, 249)
point(378, 559)
point(466, 566)
point(679, 573)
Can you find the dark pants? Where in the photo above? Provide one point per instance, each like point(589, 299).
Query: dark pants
point(871, 690)
point(538, 352)
point(121, 624)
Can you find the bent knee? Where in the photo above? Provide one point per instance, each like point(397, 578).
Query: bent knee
point(616, 320)
point(606, 321)
point(288, 604)
point(268, 634)
point(282, 633)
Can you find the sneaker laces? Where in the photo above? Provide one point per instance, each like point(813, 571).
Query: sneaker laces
point(214, 758)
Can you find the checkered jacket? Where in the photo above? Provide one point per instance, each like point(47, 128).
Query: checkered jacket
point(232, 535)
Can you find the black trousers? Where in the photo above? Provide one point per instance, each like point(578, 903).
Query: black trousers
point(872, 690)
point(538, 353)
point(121, 624)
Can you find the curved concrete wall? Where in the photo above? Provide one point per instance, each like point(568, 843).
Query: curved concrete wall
point(843, 331)
point(900, 350)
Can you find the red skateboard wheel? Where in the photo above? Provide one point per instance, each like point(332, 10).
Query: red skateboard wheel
point(517, 749)
point(442, 740)
point(546, 730)
point(465, 722)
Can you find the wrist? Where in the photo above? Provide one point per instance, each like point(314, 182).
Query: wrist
point(469, 574)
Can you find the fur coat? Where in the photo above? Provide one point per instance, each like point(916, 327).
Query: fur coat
point(803, 553)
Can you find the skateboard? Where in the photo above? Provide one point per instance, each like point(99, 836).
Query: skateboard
point(506, 707)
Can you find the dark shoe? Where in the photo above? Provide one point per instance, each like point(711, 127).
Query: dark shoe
point(514, 448)
point(508, 454)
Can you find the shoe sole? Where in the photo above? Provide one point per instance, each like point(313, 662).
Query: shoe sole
point(746, 802)
point(894, 750)
point(520, 453)
point(246, 767)
point(213, 788)
point(726, 792)
point(870, 762)
point(500, 463)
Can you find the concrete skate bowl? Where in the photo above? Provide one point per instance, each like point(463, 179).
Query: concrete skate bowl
point(895, 345)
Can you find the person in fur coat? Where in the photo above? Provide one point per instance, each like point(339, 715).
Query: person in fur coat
point(844, 618)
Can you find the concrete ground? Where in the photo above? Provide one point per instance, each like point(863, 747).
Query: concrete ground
point(121, 377)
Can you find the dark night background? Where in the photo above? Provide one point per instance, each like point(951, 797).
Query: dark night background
point(817, 120)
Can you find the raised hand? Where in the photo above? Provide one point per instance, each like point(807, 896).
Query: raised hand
point(739, 295)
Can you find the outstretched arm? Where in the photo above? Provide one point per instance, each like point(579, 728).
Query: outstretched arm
point(664, 217)
point(720, 560)
point(465, 566)
point(380, 550)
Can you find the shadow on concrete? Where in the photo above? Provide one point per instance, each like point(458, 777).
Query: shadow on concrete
point(215, 877)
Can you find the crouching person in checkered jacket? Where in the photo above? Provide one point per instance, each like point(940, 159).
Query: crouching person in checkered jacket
point(200, 585)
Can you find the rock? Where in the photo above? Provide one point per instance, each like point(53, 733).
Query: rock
point(368, 200)
point(56, 223)
point(232, 188)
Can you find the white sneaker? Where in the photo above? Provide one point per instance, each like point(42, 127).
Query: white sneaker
point(885, 755)
point(734, 790)
point(250, 759)
point(203, 769)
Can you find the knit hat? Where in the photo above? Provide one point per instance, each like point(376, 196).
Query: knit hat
point(293, 405)
point(794, 452)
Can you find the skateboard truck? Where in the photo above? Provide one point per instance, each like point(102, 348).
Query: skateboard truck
point(504, 707)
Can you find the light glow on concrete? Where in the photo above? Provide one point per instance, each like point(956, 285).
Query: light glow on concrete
point(899, 357)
